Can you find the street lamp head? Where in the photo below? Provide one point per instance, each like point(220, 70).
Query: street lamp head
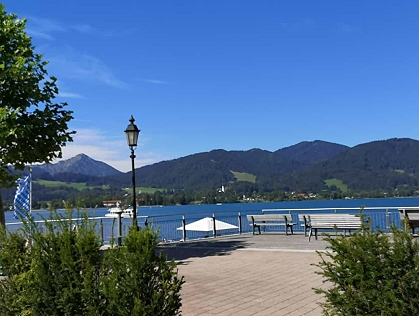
point(132, 133)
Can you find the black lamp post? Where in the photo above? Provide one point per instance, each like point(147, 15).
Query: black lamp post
point(132, 133)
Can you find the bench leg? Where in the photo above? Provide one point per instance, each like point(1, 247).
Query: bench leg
point(315, 233)
point(292, 230)
point(309, 234)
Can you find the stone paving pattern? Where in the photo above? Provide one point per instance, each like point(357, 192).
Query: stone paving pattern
point(268, 274)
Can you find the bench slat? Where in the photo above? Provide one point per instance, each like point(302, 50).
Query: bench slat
point(333, 221)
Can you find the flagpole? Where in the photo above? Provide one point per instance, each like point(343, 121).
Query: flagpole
point(30, 190)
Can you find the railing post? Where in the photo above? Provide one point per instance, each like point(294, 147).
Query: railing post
point(183, 228)
point(101, 230)
point(119, 232)
point(214, 229)
point(240, 224)
point(387, 220)
point(146, 222)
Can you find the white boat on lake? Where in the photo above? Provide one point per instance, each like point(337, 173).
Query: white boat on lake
point(125, 212)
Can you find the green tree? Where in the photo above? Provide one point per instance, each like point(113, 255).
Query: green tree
point(33, 128)
point(371, 273)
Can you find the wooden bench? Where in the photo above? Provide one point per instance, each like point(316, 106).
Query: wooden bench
point(303, 219)
point(271, 220)
point(333, 222)
point(410, 216)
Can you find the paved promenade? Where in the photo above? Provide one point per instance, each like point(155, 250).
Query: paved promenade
point(244, 275)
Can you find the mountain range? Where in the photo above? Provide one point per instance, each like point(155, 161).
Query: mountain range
point(306, 166)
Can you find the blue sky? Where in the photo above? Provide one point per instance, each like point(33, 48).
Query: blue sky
point(235, 75)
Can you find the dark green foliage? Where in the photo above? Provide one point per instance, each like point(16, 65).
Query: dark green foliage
point(63, 271)
point(33, 128)
point(27, 100)
point(138, 281)
point(57, 274)
point(371, 273)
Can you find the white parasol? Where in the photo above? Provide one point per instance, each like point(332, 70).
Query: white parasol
point(207, 224)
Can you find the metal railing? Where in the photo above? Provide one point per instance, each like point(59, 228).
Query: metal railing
point(173, 228)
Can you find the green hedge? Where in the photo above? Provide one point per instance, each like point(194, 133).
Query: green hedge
point(63, 271)
point(371, 273)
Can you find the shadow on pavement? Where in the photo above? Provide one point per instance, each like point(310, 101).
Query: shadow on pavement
point(198, 249)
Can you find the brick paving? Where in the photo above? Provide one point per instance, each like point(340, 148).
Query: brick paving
point(249, 275)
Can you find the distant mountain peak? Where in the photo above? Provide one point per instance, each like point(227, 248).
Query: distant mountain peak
point(310, 152)
point(80, 156)
point(81, 164)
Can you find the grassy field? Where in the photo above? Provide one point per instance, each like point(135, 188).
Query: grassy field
point(244, 176)
point(55, 184)
point(338, 183)
point(82, 186)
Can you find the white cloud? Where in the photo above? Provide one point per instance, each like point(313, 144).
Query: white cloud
point(87, 68)
point(99, 147)
point(69, 63)
point(70, 95)
point(43, 28)
point(90, 30)
point(40, 34)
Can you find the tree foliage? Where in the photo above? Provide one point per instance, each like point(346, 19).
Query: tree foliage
point(33, 127)
point(137, 281)
point(63, 271)
point(371, 273)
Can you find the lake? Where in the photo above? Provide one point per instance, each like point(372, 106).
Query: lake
point(246, 208)
point(169, 218)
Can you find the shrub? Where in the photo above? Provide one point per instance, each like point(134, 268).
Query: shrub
point(371, 273)
point(65, 272)
point(136, 281)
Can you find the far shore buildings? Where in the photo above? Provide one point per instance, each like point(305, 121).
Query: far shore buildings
point(111, 203)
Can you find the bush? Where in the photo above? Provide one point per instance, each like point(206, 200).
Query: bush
point(64, 272)
point(136, 281)
point(371, 273)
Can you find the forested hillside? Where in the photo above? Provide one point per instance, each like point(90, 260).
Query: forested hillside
point(311, 167)
point(209, 169)
point(385, 164)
